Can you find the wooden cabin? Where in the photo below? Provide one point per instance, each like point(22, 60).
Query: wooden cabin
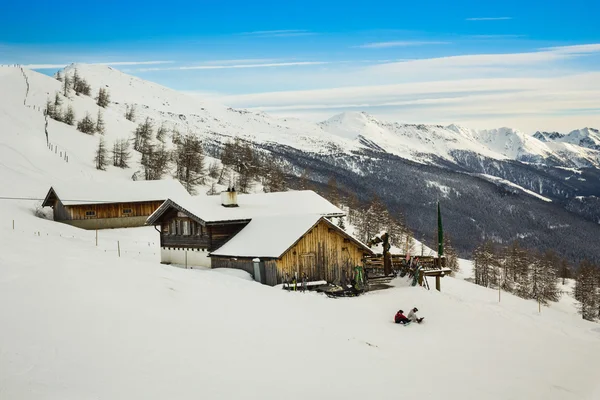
point(287, 231)
point(95, 205)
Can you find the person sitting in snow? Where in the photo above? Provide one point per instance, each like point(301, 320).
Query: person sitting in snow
point(400, 318)
point(412, 316)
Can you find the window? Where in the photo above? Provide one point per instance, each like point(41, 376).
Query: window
point(186, 228)
point(178, 227)
point(172, 228)
point(127, 211)
point(90, 213)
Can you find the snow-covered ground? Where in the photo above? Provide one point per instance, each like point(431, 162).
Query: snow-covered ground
point(79, 322)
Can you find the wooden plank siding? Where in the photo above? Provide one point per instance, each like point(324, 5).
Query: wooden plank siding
point(110, 210)
point(220, 234)
point(323, 254)
point(207, 237)
point(245, 264)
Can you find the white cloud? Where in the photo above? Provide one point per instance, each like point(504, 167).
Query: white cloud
point(233, 66)
point(575, 49)
point(527, 91)
point(51, 66)
point(488, 19)
point(383, 45)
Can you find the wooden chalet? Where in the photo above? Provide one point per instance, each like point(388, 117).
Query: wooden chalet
point(270, 235)
point(95, 205)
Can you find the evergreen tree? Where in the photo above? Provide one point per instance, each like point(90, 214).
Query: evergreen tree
point(155, 160)
point(66, 86)
point(87, 125)
point(130, 112)
point(275, 180)
point(486, 265)
point(59, 76)
point(121, 153)
point(103, 98)
point(69, 116)
point(50, 110)
point(75, 80)
point(143, 134)
point(564, 271)
point(161, 133)
point(586, 290)
point(213, 170)
point(189, 162)
point(100, 123)
point(549, 288)
point(57, 100)
point(101, 155)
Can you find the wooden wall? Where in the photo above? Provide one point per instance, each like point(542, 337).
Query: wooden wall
point(209, 237)
point(244, 264)
point(220, 234)
point(111, 210)
point(323, 254)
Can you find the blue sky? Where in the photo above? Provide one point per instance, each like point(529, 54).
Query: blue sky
point(485, 63)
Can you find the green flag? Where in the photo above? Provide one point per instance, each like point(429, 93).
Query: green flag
point(440, 233)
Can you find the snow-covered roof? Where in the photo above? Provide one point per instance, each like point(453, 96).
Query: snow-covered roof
point(87, 192)
point(272, 236)
point(250, 206)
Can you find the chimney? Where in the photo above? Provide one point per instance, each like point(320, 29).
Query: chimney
point(229, 198)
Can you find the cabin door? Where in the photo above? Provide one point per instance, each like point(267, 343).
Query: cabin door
point(308, 267)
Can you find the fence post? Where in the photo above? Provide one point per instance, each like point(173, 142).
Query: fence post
point(96, 237)
point(13, 224)
point(185, 258)
point(119, 248)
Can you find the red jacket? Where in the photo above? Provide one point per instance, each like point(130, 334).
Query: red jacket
point(400, 318)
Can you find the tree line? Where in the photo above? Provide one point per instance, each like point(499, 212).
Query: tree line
point(530, 274)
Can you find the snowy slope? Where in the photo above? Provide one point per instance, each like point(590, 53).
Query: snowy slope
point(80, 322)
point(189, 114)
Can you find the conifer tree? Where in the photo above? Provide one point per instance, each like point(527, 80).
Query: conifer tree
point(69, 116)
point(101, 155)
point(275, 180)
point(189, 162)
point(49, 108)
point(57, 100)
point(586, 290)
point(66, 85)
point(100, 123)
point(143, 134)
point(161, 133)
point(130, 112)
point(59, 76)
point(87, 125)
point(121, 153)
point(103, 98)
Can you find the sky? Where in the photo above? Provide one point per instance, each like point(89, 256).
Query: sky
point(530, 65)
